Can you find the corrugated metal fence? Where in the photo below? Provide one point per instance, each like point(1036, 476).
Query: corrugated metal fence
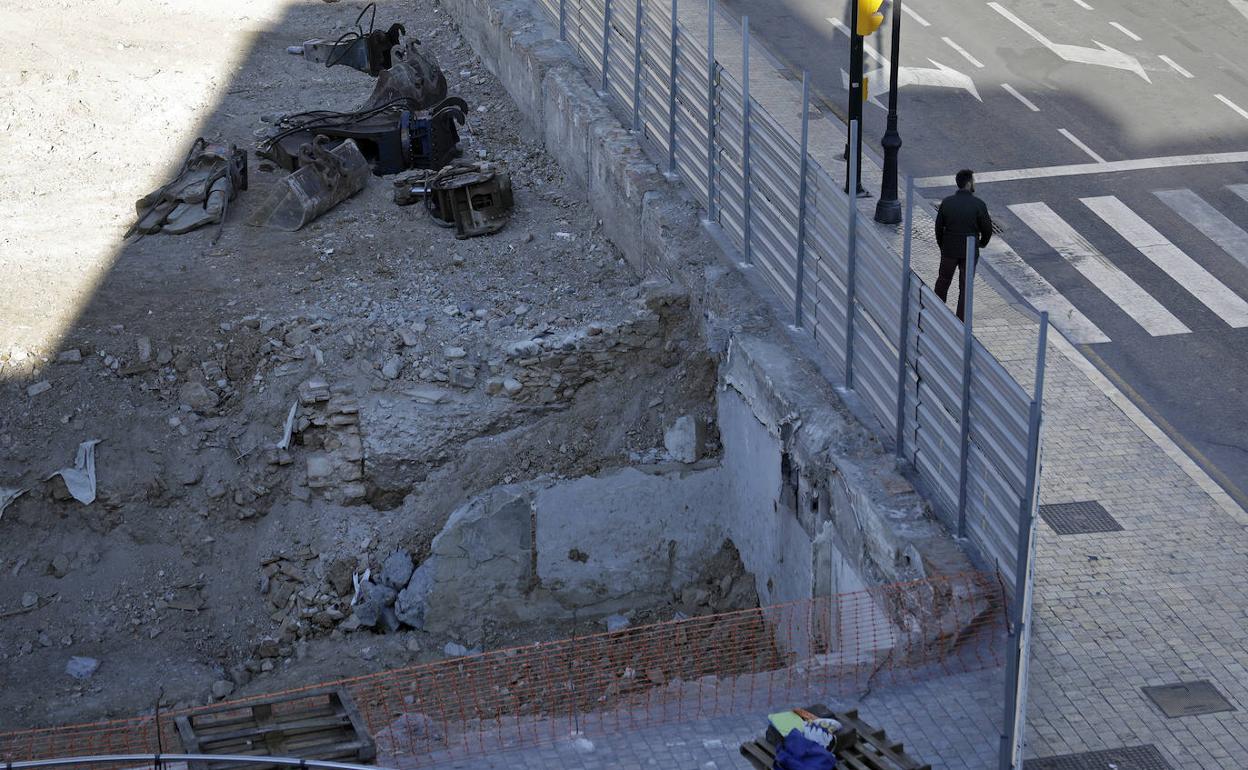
point(969, 430)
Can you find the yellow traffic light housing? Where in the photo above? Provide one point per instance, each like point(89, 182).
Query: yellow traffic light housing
point(869, 16)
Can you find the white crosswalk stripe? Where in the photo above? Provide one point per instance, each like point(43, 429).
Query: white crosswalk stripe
point(1112, 282)
point(1208, 220)
point(1239, 189)
point(1228, 305)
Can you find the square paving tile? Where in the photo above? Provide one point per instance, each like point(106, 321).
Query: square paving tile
point(1185, 699)
point(1125, 758)
point(1079, 518)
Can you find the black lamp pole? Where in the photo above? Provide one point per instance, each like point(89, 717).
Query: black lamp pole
point(888, 208)
point(855, 96)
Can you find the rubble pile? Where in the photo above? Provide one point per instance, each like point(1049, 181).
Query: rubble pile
point(284, 422)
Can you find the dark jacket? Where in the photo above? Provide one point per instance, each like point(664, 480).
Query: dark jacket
point(960, 215)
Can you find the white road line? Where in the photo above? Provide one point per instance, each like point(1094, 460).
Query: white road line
point(1209, 221)
point(1082, 169)
point(1241, 6)
point(1228, 305)
point(1149, 428)
point(1175, 66)
point(1074, 140)
point(1014, 92)
point(907, 10)
point(1125, 31)
point(1083, 5)
point(1108, 279)
point(1239, 189)
point(1041, 294)
point(1242, 112)
point(965, 54)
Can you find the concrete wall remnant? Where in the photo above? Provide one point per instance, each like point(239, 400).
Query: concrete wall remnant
point(809, 495)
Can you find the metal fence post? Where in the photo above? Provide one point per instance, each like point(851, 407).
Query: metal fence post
point(711, 213)
point(563, 19)
point(671, 98)
point(606, 45)
point(851, 266)
point(746, 196)
point(904, 334)
point(968, 337)
point(803, 165)
point(1020, 634)
point(637, 67)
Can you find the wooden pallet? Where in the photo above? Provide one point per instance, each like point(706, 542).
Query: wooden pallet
point(318, 724)
point(859, 746)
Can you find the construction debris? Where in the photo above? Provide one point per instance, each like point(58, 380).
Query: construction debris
point(325, 178)
point(210, 177)
point(80, 479)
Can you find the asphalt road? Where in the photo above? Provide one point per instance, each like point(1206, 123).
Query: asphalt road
point(1145, 232)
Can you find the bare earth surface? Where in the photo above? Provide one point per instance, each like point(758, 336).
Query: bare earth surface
point(209, 558)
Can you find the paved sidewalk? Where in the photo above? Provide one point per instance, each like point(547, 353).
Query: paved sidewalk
point(1163, 601)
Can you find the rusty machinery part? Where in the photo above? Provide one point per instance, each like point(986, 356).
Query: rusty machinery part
point(394, 137)
point(210, 177)
point(326, 177)
point(475, 198)
point(365, 50)
point(413, 75)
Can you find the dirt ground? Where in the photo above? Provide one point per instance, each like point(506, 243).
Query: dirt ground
point(210, 559)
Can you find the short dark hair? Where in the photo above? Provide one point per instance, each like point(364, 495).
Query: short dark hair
point(964, 177)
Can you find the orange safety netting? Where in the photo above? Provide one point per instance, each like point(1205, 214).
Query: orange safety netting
point(800, 652)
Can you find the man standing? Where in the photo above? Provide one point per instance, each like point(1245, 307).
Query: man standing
point(959, 215)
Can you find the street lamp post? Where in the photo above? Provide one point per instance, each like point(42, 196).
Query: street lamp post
point(888, 208)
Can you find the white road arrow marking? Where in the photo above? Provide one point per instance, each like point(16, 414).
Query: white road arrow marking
point(1103, 56)
point(941, 77)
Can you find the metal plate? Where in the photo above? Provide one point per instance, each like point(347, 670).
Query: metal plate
point(1185, 699)
point(1079, 518)
point(1125, 758)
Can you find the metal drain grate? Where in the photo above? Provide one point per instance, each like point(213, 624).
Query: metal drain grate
point(1185, 699)
point(1079, 518)
point(1125, 758)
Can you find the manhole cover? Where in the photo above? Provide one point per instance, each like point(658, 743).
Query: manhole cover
point(1079, 518)
point(1125, 758)
point(1185, 699)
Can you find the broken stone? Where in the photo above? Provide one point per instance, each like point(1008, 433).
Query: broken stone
point(81, 667)
point(197, 395)
point(616, 623)
point(397, 570)
point(683, 440)
point(320, 469)
point(428, 394)
point(339, 575)
point(297, 336)
point(164, 356)
point(71, 356)
point(493, 386)
point(408, 337)
point(376, 598)
point(188, 474)
point(29, 599)
point(59, 566)
point(145, 349)
point(463, 377)
point(456, 650)
point(313, 391)
point(222, 689)
point(512, 386)
point(391, 368)
point(39, 387)
point(454, 352)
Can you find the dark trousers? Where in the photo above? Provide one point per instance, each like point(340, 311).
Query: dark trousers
point(947, 267)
